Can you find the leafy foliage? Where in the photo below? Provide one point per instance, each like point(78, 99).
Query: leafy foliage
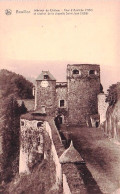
point(37, 182)
point(112, 95)
point(23, 108)
point(12, 83)
point(11, 112)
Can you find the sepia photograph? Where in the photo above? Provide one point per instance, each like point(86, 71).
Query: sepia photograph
point(59, 97)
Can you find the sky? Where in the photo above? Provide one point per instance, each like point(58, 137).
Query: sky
point(31, 43)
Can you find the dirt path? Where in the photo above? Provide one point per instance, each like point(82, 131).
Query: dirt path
point(101, 155)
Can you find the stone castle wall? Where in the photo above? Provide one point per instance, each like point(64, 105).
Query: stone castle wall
point(45, 97)
point(37, 145)
point(31, 144)
point(61, 94)
point(102, 107)
point(83, 89)
point(40, 137)
point(79, 94)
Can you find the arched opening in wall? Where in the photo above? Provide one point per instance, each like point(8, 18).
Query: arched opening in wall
point(46, 76)
point(59, 119)
point(39, 124)
point(97, 124)
point(22, 123)
point(75, 71)
point(92, 72)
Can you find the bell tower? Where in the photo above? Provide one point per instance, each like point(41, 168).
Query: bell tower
point(45, 93)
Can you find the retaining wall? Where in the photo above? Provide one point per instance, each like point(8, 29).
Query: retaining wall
point(72, 183)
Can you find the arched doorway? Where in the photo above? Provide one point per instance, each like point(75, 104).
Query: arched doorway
point(59, 119)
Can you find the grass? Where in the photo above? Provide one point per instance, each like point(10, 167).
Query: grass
point(34, 183)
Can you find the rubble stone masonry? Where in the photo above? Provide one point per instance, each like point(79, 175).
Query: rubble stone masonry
point(83, 88)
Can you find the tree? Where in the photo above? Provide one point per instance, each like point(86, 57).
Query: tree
point(23, 108)
point(12, 83)
point(112, 95)
point(10, 136)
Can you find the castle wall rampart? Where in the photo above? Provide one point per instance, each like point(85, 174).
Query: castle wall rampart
point(55, 157)
point(51, 149)
point(66, 188)
point(70, 174)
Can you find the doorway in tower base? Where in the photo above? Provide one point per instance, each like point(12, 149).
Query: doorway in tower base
point(59, 119)
point(97, 124)
point(62, 119)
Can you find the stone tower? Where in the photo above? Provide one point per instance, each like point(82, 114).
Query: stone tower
point(45, 93)
point(83, 87)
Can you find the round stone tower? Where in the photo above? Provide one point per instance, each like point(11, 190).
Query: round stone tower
point(45, 93)
point(83, 87)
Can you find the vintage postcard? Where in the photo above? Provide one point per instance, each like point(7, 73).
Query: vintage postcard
point(59, 96)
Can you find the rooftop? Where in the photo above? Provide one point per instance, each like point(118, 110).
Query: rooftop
point(71, 155)
point(45, 75)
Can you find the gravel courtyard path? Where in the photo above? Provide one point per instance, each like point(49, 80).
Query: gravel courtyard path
point(101, 155)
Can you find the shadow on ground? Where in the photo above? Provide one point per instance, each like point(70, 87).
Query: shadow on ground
point(90, 183)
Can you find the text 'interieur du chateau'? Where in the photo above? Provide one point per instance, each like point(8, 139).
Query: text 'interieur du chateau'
point(55, 11)
point(62, 12)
